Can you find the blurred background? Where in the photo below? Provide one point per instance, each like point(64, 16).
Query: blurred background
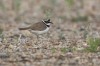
point(23, 10)
point(73, 40)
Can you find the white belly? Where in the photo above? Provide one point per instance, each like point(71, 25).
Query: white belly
point(40, 32)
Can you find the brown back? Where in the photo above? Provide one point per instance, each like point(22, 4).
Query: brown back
point(38, 26)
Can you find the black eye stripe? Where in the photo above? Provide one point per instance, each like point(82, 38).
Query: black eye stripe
point(47, 22)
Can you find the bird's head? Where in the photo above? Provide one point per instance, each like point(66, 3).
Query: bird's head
point(47, 22)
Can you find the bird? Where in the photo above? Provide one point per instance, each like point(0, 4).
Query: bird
point(39, 27)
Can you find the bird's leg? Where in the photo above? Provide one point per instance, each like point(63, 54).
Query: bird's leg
point(37, 37)
point(48, 35)
point(20, 36)
point(19, 39)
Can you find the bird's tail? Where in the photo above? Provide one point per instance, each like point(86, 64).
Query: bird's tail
point(24, 28)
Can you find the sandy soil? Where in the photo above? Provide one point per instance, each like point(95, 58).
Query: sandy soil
point(63, 45)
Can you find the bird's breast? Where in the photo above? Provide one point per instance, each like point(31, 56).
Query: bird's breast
point(40, 32)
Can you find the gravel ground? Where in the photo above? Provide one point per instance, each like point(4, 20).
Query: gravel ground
point(63, 45)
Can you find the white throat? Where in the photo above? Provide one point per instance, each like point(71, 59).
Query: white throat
point(48, 24)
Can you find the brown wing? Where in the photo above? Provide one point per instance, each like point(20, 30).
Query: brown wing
point(38, 26)
point(24, 28)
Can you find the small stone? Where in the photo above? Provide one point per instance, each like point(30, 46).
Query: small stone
point(38, 56)
point(4, 55)
point(69, 55)
point(55, 42)
point(11, 46)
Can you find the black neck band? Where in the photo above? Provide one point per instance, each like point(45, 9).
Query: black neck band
point(46, 24)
